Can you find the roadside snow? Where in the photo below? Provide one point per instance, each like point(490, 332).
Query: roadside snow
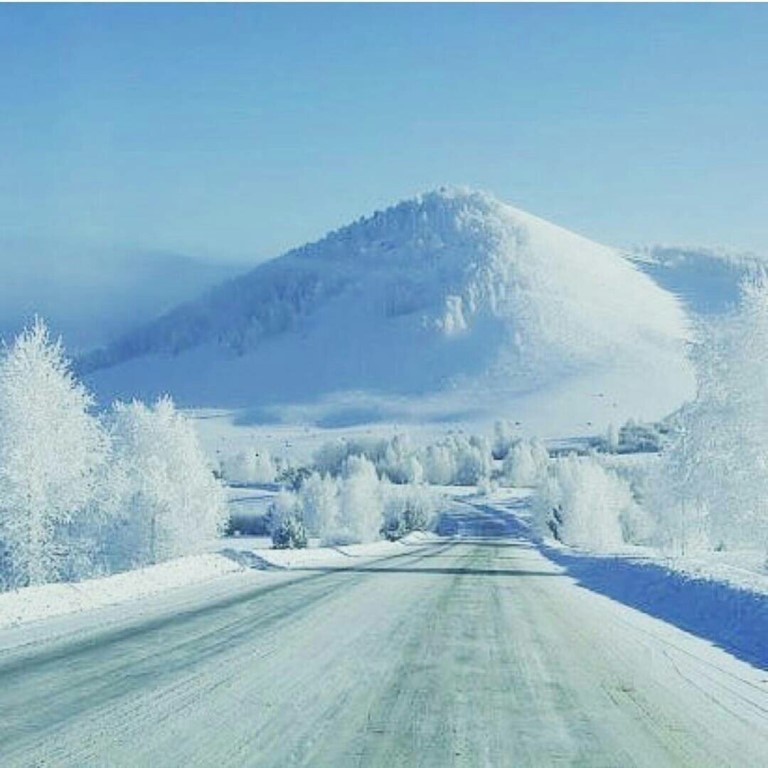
point(338, 557)
point(31, 604)
point(35, 603)
point(721, 596)
point(742, 570)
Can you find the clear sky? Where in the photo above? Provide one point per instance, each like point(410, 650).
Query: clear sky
point(243, 130)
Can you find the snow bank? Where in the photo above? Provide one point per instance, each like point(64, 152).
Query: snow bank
point(722, 597)
point(727, 607)
point(47, 601)
point(339, 557)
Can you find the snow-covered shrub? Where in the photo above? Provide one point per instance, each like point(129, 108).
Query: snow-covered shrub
point(52, 453)
point(400, 462)
point(408, 508)
point(439, 463)
point(361, 508)
point(338, 510)
point(247, 467)
point(331, 456)
point(526, 463)
point(505, 435)
point(320, 505)
point(457, 460)
point(358, 506)
point(584, 505)
point(171, 502)
point(289, 534)
point(473, 459)
point(286, 526)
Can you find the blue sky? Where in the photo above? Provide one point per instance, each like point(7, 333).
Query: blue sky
point(242, 130)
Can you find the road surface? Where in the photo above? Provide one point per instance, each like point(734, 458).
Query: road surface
point(474, 651)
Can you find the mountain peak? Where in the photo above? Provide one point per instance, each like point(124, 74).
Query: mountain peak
point(448, 224)
point(458, 195)
point(442, 213)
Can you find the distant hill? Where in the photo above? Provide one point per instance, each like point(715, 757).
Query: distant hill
point(706, 279)
point(92, 296)
point(449, 306)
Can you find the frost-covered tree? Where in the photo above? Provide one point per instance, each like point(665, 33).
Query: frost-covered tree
point(249, 466)
point(408, 508)
point(361, 513)
point(171, 502)
point(331, 456)
point(439, 462)
point(52, 450)
point(472, 457)
point(581, 503)
point(356, 506)
point(525, 463)
point(454, 460)
point(505, 435)
point(715, 472)
point(286, 524)
point(320, 505)
point(457, 460)
point(400, 462)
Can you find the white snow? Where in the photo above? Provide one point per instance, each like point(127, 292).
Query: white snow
point(48, 600)
point(722, 596)
point(707, 280)
point(326, 557)
point(234, 556)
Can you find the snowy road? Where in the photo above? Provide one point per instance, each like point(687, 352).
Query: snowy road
point(472, 652)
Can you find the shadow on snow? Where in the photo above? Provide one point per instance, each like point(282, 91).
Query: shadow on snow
point(733, 619)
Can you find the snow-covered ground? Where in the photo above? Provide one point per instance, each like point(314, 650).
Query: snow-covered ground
point(49, 600)
point(708, 280)
point(231, 556)
point(743, 569)
point(721, 596)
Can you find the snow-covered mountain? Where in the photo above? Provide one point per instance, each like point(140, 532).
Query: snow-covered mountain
point(707, 280)
point(450, 306)
point(94, 295)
